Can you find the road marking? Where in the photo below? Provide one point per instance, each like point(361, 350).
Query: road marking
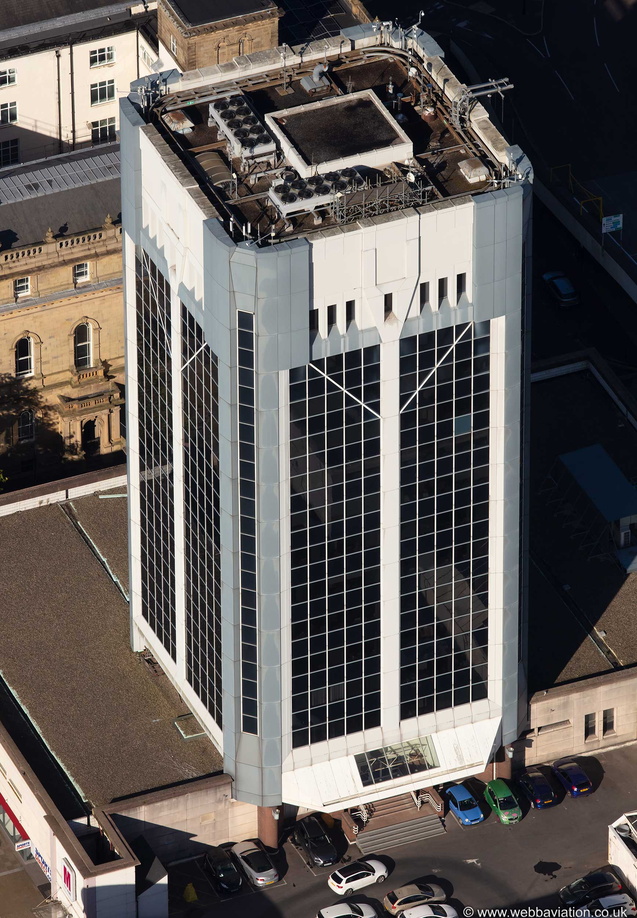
point(611, 77)
point(541, 53)
point(565, 86)
point(473, 860)
point(548, 53)
point(595, 28)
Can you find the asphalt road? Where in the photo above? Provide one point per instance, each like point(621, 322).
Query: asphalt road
point(482, 866)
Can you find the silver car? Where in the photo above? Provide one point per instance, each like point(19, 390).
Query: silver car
point(256, 863)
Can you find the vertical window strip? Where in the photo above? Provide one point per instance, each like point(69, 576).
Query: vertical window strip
point(249, 634)
point(202, 530)
point(154, 364)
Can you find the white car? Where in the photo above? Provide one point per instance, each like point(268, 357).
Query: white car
point(256, 864)
point(351, 877)
point(345, 910)
point(430, 911)
point(619, 905)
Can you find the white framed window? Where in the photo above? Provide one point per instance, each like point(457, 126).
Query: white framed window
point(9, 152)
point(173, 45)
point(8, 112)
point(103, 131)
point(146, 57)
point(104, 91)
point(100, 56)
point(7, 78)
point(26, 425)
point(22, 286)
point(81, 272)
point(24, 357)
point(83, 346)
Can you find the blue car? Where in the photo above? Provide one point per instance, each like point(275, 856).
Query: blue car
point(463, 805)
point(537, 789)
point(573, 779)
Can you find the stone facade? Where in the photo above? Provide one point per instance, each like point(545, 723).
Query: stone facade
point(61, 351)
point(216, 42)
point(581, 717)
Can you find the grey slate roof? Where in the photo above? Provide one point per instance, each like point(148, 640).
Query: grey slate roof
point(15, 13)
point(66, 655)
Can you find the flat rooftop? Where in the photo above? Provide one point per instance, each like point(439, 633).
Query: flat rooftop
point(102, 712)
point(368, 113)
point(202, 12)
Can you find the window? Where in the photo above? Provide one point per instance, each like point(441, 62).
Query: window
point(82, 340)
point(102, 92)
point(26, 425)
point(24, 357)
point(442, 290)
point(173, 45)
point(9, 152)
point(608, 721)
point(22, 286)
point(103, 131)
point(350, 311)
point(10, 783)
point(331, 317)
point(424, 295)
point(589, 726)
point(7, 78)
point(461, 286)
point(81, 272)
point(100, 56)
point(8, 112)
point(314, 322)
point(389, 302)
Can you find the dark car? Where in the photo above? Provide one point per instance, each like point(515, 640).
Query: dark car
point(535, 786)
point(222, 870)
point(562, 290)
point(311, 836)
point(595, 884)
point(573, 779)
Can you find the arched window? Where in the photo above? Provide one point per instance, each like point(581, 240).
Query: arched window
point(83, 340)
point(26, 425)
point(24, 357)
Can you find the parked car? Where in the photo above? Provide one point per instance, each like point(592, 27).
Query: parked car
point(356, 875)
point(503, 802)
point(535, 786)
point(573, 779)
point(619, 905)
point(463, 805)
point(222, 870)
point(595, 884)
point(431, 911)
point(310, 835)
point(396, 901)
point(256, 863)
point(345, 910)
point(560, 287)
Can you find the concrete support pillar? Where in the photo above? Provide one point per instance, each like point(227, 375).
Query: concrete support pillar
point(269, 825)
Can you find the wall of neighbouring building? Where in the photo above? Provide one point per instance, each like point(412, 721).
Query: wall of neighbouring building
point(558, 717)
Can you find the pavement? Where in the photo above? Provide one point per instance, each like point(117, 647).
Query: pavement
point(482, 866)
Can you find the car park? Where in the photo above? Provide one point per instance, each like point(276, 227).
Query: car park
point(463, 805)
point(561, 288)
point(595, 884)
point(347, 910)
point(438, 910)
point(619, 905)
point(573, 778)
point(223, 871)
point(405, 897)
point(503, 802)
point(311, 836)
point(536, 788)
point(255, 863)
point(349, 878)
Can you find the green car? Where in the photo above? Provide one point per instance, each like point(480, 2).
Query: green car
point(503, 802)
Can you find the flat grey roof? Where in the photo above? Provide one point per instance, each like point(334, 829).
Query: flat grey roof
point(201, 12)
point(66, 656)
point(604, 483)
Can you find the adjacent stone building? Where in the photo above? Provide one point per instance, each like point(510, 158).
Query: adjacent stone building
point(61, 319)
